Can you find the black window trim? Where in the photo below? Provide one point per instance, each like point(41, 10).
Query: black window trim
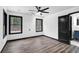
point(4, 12)
point(10, 24)
point(41, 24)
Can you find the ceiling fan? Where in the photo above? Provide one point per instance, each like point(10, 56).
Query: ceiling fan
point(39, 9)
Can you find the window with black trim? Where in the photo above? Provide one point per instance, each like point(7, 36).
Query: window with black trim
point(39, 25)
point(4, 23)
point(15, 24)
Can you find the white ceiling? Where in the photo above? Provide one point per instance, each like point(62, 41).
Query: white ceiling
point(25, 9)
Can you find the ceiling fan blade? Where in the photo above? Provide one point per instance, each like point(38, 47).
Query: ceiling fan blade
point(45, 9)
point(37, 7)
point(45, 12)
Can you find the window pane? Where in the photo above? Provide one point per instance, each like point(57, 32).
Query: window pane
point(16, 24)
point(39, 25)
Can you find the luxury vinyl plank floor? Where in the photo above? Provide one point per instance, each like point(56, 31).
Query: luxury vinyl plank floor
point(39, 44)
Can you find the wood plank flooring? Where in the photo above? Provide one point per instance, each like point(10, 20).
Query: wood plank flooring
point(40, 44)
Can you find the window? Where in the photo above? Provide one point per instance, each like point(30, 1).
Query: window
point(39, 25)
point(4, 24)
point(15, 24)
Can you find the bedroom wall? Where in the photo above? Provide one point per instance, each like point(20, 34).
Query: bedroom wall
point(28, 26)
point(51, 22)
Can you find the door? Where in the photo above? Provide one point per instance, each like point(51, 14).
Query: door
point(64, 28)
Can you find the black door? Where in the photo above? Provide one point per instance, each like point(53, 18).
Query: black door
point(64, 28)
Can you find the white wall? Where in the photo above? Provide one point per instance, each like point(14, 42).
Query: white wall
point(51, 22)
point(51, 26)
point(28, 26)
point(2, 41)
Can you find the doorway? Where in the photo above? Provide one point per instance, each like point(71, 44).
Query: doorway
point(65, 28)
